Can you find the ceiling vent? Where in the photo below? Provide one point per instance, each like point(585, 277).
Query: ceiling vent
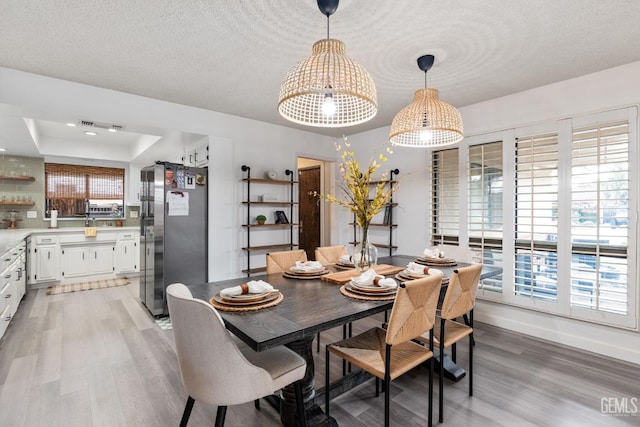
point(98, 125)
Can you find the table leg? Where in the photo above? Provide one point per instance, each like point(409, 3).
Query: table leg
point(451, 370)
point(314, 414)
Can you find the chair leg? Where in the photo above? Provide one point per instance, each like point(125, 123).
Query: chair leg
point(431, 362)
point(222, 413)
point(187, 412)
point(441, 379)
point(453, 352)
point(318, 343)
point(256, 403)
point(302, 420)
point(471, 343)
point(327, 390)
point(387, 383)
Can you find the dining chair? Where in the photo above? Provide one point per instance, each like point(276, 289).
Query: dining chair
point(389, 353)
point(217, 368)
point(330, 254)
point(279, 262)
point(459, 300)
point(458, 253)
point(326, 255)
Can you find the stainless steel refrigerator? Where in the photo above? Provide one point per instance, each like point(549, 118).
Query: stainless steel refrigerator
point(173, 230)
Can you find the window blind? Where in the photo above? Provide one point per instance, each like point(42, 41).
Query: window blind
point(485, 207)
point(445, 210)
point(68, 186)
point(536, 217)
point(600, 217)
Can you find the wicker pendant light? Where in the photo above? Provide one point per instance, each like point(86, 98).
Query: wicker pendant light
point(328, 89)
point(427, 121)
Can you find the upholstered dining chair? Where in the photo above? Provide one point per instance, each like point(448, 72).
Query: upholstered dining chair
point(458, 253)
point(279, 262)
point(218, 369)
point(459, 301)
point(330, 254)
point(391, 353)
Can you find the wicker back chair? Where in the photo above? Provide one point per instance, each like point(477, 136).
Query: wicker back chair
point(459, 301)
point(330, 254)
point(387, 354)
point(279, 262)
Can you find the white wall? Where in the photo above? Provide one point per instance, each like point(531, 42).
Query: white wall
point(234, 141)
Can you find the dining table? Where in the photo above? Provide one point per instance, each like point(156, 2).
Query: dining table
point(307, 308)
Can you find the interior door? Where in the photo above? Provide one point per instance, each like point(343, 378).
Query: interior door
point(309, 229)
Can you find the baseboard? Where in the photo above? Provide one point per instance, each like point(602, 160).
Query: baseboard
point(605, 340)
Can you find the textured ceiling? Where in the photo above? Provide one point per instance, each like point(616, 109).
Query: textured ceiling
point(231, 56)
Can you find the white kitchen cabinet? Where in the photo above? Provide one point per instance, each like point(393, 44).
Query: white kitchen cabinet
point(197, 157)
point(127, 255)
point(87, 260)
point(47, 263)
point(74, 262)
point(101, 259)
point(12, 284)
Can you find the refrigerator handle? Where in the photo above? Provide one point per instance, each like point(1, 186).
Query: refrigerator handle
point(142, 224)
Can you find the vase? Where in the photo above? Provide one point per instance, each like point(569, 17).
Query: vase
point(365, 255)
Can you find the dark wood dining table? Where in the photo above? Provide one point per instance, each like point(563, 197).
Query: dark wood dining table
point(308, 307)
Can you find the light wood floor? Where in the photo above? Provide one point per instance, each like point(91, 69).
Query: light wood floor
point(97, 358)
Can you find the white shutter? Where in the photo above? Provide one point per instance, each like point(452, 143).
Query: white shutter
point(536, 217)
point(600, 218)
point(445, 210)
point(485, 200)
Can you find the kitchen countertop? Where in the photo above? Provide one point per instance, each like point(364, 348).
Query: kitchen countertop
point(10, 238)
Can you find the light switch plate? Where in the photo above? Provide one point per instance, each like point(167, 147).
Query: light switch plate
point(32, 214)
point(133, 214)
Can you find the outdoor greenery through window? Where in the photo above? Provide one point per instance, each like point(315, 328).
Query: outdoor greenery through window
point(84, 191)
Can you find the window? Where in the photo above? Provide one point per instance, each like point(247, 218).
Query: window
point(76, 191)
point(446, 218)
point(536, 217)
point(485, 207)
point(600, 217)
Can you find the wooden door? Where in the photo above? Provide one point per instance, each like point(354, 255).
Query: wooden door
point(309, 212)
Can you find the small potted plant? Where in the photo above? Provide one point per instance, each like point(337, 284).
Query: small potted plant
point(260, 219)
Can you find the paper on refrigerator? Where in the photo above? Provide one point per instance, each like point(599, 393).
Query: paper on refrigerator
point(178, 202)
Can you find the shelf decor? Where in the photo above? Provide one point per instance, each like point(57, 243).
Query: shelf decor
point(364, 197)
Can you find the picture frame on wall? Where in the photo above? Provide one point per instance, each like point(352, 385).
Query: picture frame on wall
point(281, 218)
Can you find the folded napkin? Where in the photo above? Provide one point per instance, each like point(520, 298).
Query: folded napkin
point(251, 287)
point(307, 266)
point(415, 268)
point(346, 259)
point(433, 253)
point(370, 278)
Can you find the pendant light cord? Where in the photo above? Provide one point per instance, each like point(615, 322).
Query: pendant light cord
point(328, 26)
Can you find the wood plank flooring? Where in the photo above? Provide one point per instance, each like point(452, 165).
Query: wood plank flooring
point(97, 358)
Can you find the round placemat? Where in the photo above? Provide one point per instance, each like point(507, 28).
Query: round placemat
point(347, 293)
point(306, 276)
point(224, 307)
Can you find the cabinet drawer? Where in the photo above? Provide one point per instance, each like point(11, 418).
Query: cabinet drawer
point(128, 236)
point(46, 240)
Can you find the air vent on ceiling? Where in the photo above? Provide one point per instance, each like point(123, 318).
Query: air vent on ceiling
point(98, 125)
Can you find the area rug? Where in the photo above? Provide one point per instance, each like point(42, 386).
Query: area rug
point(85, 286)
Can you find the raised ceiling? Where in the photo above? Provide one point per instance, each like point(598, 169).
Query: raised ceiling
point(231, 56)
